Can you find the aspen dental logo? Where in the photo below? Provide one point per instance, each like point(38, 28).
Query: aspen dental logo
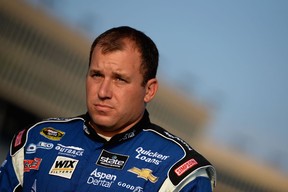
point(102, 179)
point(63, 167)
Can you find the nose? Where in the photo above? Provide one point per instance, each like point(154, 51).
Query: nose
point(105, 89)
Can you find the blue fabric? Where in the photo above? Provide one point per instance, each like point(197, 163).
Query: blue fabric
point(66, 155)
point(200, 184)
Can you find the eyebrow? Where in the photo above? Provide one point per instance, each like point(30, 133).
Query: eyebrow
point(91, 71)
point(114, 74)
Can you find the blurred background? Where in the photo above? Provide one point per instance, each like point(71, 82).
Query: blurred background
point(223, 75)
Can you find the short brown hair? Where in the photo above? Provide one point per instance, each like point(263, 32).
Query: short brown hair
point(113, 40)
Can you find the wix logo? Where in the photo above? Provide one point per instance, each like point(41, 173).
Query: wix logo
point(63, 167)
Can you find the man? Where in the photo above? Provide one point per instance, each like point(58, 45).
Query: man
point(114, 146)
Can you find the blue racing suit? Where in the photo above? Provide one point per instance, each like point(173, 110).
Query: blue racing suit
point(68, 155)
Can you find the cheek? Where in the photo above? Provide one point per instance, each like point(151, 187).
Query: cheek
point(91, 90)
point(87, 83)
point(134, 96)
point(88, 89)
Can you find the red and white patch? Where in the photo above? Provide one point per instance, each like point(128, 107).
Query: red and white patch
point(185, 166)
point(18, 139)
point(32, 164)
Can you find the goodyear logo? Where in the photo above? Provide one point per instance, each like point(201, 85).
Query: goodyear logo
point(144, 173)
point(52, 134)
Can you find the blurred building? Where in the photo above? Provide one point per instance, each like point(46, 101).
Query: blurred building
point(42, 74)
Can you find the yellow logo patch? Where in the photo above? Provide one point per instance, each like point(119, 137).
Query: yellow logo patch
point(144, 173)
point(52, 134)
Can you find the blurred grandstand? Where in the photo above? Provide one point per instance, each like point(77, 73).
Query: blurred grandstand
point(43, 66)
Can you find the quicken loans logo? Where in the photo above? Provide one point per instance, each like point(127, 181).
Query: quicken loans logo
point(112, 160)
point(150, 156)
point(63, 167)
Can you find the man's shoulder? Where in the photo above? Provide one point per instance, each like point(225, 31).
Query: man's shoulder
point(51, 128)
point(166, 135)
point(192, 159)
point(190, 163)
point(63, 119)
point(58, 121)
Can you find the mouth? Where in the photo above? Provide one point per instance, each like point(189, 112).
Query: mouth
point(103, 107)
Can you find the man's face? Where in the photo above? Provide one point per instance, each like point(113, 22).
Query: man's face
point(115, 97)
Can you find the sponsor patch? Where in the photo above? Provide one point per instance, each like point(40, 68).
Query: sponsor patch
point(31, 148)
point(42, 145)
point(144, 173)
point(52, 134)
point(130, 187)
point(32, 164)
point(101, 179)
point(18, 139)
point(127, 136)
point(69, 150)
point(112, 160)
point(185, 166)
point(150, 156)
point(63, 167)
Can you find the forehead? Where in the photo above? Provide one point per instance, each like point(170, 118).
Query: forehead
point(127, 56)
point(117, 45)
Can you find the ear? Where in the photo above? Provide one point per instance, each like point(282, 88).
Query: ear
point(151, 88)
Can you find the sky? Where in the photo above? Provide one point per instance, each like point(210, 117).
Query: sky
point(229, 55)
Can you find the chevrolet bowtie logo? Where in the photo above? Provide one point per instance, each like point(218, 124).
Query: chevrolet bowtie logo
point(144, 174)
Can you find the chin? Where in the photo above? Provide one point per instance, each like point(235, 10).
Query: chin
point(102, 122)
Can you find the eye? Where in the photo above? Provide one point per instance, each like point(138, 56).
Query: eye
point(120, 78)
point(95, 74)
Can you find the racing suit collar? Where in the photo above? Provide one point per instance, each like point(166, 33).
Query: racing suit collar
point(129, 134)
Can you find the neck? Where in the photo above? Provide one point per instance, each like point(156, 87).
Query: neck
point(108, 133)
point(105, 131)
